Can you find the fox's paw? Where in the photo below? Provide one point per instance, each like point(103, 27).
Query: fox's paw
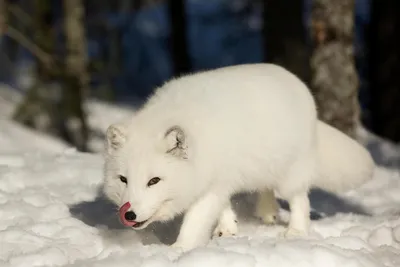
point(267, 208)
point(181, 247)
point(226, 228)
point(227, 224)
point(290, 233)
point(270, 219)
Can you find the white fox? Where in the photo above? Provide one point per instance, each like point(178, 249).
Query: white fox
point(201, 138)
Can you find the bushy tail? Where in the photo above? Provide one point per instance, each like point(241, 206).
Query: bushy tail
point(344, 163)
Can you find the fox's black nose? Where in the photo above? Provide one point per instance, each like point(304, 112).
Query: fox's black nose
point(130, 216)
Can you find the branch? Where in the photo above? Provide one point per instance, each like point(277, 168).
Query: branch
point(19, 13)
point(44, 57)
point(3, 18)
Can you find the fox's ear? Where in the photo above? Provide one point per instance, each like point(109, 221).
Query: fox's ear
point(116, 136)
point(175, 138)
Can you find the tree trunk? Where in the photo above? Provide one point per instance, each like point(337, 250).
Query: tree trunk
point(76, 61)
point(177, 18)
point(384, 68)
point(76, 79)
point(334, 79)
point(285, 39)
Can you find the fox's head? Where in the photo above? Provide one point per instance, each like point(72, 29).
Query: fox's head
point(148, 175)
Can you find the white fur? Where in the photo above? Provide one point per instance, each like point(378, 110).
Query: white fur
point(241, 128)
point(344, 164)
point(227, 223)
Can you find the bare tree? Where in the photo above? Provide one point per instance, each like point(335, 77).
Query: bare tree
point(76, 60)
point(54, 104)
point(334, 79)
point(76, 77)
point(179, 51)
point(384, 68)
point(285, 39)
point(37, 108)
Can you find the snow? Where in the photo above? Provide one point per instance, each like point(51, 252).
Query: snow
point(52, 213)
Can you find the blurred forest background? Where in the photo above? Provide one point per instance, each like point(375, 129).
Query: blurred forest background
point(59, 54)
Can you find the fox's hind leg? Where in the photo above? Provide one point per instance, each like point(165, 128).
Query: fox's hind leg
point(267, 208)
point(295, 189)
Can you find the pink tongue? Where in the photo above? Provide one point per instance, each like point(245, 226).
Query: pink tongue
point(122, 212)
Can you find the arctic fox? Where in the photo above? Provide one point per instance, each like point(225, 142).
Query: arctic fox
point(201, 138)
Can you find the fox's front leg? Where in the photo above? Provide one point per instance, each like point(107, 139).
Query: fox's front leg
point(199, 220)
point(227, 223)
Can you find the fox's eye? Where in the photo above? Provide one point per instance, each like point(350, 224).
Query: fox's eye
point(123, 179)
point(153, 181)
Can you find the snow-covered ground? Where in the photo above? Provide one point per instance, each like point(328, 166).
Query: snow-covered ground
point(100, 114)
point(52, 214)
